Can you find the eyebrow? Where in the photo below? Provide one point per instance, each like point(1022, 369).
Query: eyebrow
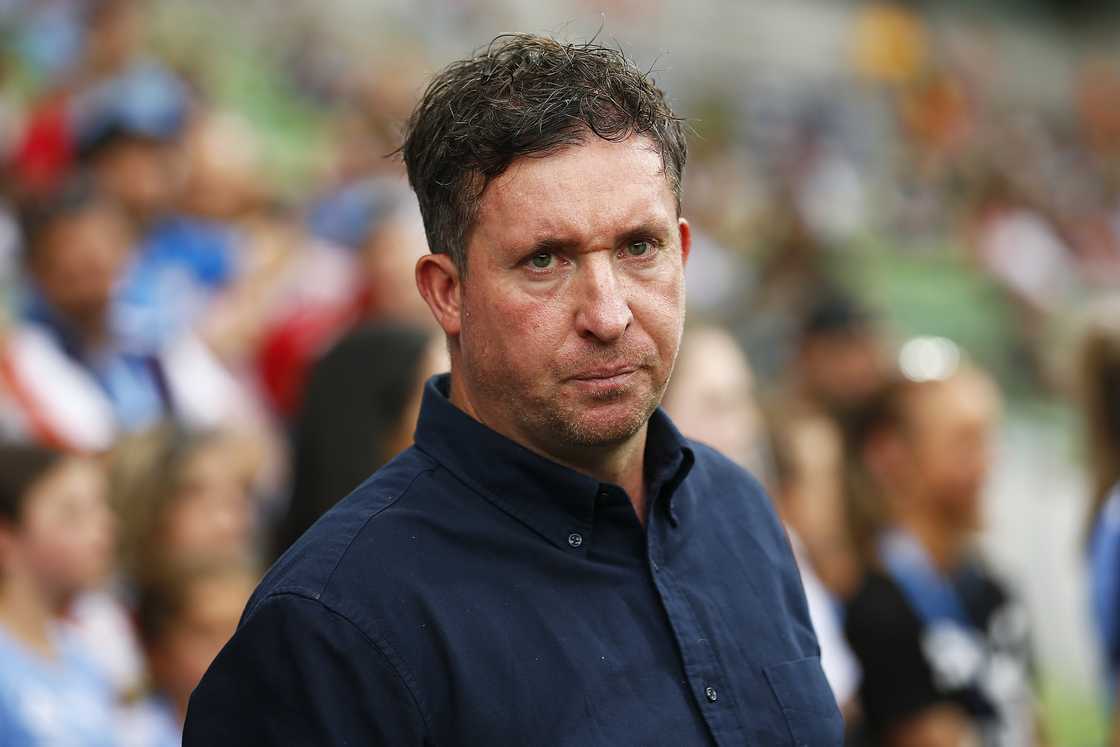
point(564, 245)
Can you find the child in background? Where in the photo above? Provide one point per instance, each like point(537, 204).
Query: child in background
point(56, 540)
point(182, 496)
point(185, 615)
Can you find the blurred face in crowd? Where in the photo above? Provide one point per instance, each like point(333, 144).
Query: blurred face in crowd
point(812, 502)
point(211, 515)
point(570, 313)
point(79, 260)
point(63, 542)
point(388, 261)
point(946, 446)
point(189, 643)
point(145, 175)
point(113, 35)
point(712, 395)
point(842, 369)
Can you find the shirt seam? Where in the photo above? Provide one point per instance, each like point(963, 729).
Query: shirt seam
point(346, 550)
point(383, 649)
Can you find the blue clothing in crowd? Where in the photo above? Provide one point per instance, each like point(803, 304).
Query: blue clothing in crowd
point(1104, 583)
point(59, 701)
point(131, 377)
point(179, 266)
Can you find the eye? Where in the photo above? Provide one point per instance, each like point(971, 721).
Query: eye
point(639, 248)
point(542, 261)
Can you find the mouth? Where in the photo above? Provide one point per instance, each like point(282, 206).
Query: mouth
point(606, 375)
point(604, 382)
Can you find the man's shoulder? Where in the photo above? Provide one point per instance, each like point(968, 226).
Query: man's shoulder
point(375, 514)
point(712, 464)
point(737, 504)
point(740, 491)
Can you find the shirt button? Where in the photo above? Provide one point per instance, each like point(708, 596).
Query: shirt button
point(711, 694)
point(575, 539)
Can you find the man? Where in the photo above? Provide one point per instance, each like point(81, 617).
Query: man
point(942, 644)
point(67, 379)
point(128, 134)
point(552, 563)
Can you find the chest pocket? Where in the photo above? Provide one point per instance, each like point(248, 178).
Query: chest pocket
point(807, 703)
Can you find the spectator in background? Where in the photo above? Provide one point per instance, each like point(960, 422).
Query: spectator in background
point(942, 643)
point(711, 398)
point(380, 222)
point(1099, 373)
point(71, 379)
point(369, 237)
point(182, 496)
point(808, 493)
point(55, 541)
point(840, 362)
point(129, 133)
point(185, 615)
point(359, 412)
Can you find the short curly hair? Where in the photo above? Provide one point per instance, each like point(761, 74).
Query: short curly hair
point(524, 95)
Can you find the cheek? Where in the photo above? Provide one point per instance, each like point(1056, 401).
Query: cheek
point(188, 531)
point(69, 558)
point(659, 306)
point(509, 330)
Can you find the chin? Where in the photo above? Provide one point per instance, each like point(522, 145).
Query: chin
point(605, 425)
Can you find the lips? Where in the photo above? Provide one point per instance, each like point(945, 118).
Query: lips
point(603, 374)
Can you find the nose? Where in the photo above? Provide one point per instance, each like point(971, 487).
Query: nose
point(603, 311)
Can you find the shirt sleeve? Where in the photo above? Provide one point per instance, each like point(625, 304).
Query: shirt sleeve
point(298, 673)
point(897, 682)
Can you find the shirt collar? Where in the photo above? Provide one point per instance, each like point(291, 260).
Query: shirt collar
point(553, 500)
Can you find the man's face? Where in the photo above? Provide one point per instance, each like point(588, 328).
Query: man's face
point(81, 260)
point(843, 369)
point(146, 176)
point(951, 439)
point(712, 397)
point(64, 540)
point(573, 301)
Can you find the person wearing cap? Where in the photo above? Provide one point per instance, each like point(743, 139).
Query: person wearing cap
point(552, 562)
point(942, 641)
point(128, 134)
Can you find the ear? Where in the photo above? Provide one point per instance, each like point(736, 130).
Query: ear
point(437, 279)
point(686, 240)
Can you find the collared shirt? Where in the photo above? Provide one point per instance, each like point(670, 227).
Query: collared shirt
point(474, 593)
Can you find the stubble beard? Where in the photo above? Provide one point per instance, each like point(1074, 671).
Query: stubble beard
point(570, 426)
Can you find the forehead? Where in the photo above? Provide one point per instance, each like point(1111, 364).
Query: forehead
point(578, 190)
point(965, 398)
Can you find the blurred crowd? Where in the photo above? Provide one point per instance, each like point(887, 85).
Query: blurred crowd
point(197, 358)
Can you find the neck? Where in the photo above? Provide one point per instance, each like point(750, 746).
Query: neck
point(944, 545)
point(622, 464)
point(26, 614)
point(92, 329)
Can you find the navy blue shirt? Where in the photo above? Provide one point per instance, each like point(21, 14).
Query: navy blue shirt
point(472, 592)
